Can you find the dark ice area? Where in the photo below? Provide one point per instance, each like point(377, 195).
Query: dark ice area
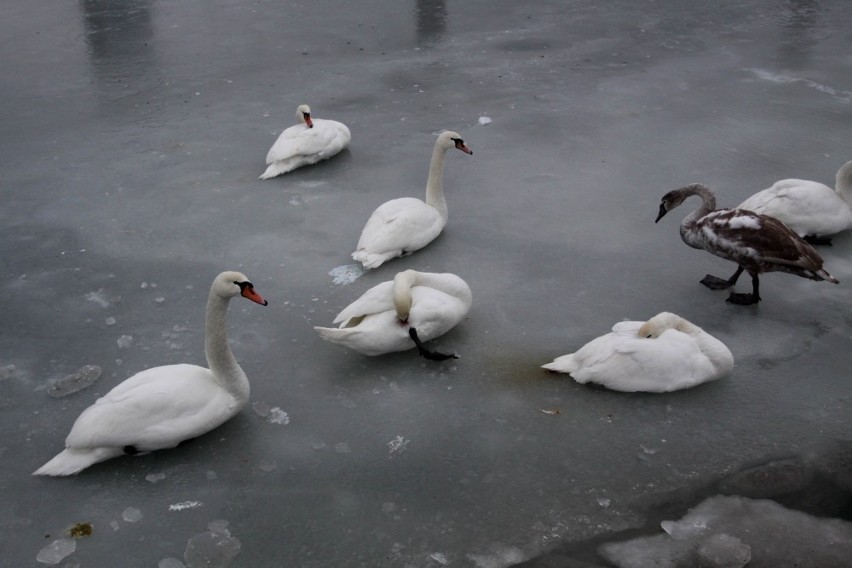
point(132, 135)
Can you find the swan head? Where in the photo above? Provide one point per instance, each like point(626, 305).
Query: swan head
point(303, 114)
point(229, 284)
point(654, 327)
point(402, 284)
point(449, 139)
point(677, 196)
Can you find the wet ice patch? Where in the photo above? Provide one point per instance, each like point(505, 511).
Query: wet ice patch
point(346, 274)
point(273, 415)
point(131, 515)
point(184, 505)
point(397, 445)
point(501, 556)
point(7, 372)
point(56, 551)
point(82, 378)
point(99, 298)
point(215, 548)
point(767, 75)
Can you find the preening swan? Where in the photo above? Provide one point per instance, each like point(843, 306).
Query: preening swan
point(665, 353)
point(401, 314)
point(757, 243)
point(402, 226)
point(306, 143)
point(810, 208)
point(163, 406)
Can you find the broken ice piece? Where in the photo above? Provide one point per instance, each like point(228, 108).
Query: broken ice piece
point(7, 372)
point(131, 515)
point(155, 477)
point(260, 408)
point(83, 378)
point(56, 551)
point(214, 548)
point(550, 411)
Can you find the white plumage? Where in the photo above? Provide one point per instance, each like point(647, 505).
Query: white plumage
point(665, 353)
point(812, 209)
point(306, 143)
point(402, 226)
point(382, 319)
point(160, 407)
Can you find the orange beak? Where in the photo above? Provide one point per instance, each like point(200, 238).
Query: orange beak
point(248, 292)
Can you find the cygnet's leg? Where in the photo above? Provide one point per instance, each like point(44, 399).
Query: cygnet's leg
point(716, 283)
point(747, 299)
point(815, 240)
point(433, 355)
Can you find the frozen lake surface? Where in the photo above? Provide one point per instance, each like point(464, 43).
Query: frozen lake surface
point(132, 137)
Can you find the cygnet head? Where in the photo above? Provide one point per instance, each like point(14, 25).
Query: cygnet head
point(677, 196)
point(303, 114)
point(229, 284)
point(655, 326)
point(449, 139)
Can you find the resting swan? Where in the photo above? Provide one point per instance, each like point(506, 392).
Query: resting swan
point(306, 143)
point(401, 314)
point(665, 353)
point(163, 406)
point(402, 226)
point(757, 243)
point(810, 208)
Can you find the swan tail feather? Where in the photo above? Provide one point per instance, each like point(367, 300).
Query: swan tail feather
point(563, 364)
point(275, 169)
point(71, 461)
point(370, 260)
point(332, 334)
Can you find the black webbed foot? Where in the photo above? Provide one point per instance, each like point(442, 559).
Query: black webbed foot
point(743, 299)
point(716, 283)
point(425, 353)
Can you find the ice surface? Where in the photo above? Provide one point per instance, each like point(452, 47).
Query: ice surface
point(56, 551)
point(597, 109)
point(170, 563)
point(730, 531)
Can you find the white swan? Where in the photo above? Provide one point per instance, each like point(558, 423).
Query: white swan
point(810, 208)
point(306, 143)
point(402, 226)
point(401, 314)
point(163, 406)
point(665, 353)
point(757, 243)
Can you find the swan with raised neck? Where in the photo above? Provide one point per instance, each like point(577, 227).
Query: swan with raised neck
point(401, 226)
point(162, 406)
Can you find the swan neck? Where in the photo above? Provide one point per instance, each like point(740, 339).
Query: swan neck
point(708, 204)
point(402, 284)
point(843, 184)
point(435, 183)
point(220, 359)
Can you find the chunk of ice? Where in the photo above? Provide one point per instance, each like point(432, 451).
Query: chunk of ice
point(131, 515)
point(213, 549)
point(56, 551)
point(82, 378)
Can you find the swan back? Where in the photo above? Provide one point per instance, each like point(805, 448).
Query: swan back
point(663, 354)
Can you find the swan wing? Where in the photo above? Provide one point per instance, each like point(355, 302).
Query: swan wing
point(405, 224)
point(325, 139)
point(156, 408)
point(377, 299)
point(807, 207)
